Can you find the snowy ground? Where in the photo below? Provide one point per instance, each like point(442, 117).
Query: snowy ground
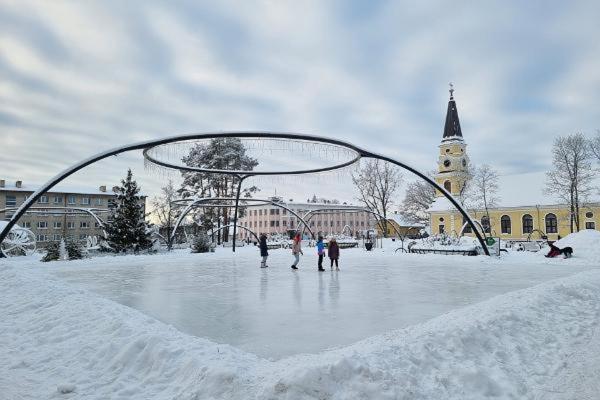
point(60, 332)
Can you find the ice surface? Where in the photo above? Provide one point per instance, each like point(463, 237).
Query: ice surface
point(275, 312)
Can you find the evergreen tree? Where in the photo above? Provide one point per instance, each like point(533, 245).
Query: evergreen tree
point(219, 154)
point(127, 227)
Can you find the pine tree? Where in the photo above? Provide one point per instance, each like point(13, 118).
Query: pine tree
point(127, 228)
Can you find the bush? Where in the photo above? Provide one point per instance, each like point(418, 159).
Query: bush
point(73, 248)
point(201, 244)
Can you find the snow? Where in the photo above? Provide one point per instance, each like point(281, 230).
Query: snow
point(62, 338)
point(585, 244)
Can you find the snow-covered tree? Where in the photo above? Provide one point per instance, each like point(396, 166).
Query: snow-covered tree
point(126, 227)
point(418, 198)
point(164, 211)
point(377, 182)
point(572, 177)
point(223, 154)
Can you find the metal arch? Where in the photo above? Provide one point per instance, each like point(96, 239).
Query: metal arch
point(355, 210)
point(147, 144)
point(461, 233)
point(53, 211)
point(239, 226)
point(199, 203)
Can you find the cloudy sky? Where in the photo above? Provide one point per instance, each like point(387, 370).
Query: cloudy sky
point(78, 77)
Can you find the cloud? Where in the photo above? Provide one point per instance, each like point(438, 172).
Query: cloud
point(76, 78)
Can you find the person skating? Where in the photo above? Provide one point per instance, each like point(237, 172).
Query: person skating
point(297, 250)
point(333, 251)
point(320, 252)
point(264, 253)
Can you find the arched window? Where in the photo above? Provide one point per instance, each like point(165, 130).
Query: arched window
point(467, 228)
point(485, 222)
point(551, 223)
point(448, 186)
point(527, 223)
point(505, 224)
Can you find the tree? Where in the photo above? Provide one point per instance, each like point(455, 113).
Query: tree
point(418, 198)
point(165, 213)
point(572, 176)
point(484, 190)
point(126, 228)
point(218, 154)
point(595, 146)
point(377, 183)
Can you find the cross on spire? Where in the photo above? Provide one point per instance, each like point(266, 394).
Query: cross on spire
point(451, 90)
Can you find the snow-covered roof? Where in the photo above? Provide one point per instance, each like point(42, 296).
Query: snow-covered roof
point(31, 187)
point(396, 217)
point(518, 190)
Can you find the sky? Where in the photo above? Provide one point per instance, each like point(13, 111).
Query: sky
point(80, 77)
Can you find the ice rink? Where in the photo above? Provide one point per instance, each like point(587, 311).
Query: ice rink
point(276, 312)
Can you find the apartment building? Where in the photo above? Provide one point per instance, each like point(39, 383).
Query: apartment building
point(336, 219)
point(55, 215)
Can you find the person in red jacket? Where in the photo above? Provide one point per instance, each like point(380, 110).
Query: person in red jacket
point(333, 251)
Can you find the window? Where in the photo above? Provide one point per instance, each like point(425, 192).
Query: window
point(589, 214)
point(11, 201)
point(284, 211)
point(485, 223)
point(260, 224)
point(85, 201)
point(527, 223)
point(467, 228)
point(42, 225)
point(57, 225)
point(284, 223)
point(43, 199)
point(27, 224)
point(551, 224)
point(71, 199)
point(505, 224)
point(441, 228)
point(260, 212)
point(70, 225)
point(590, 225)
point(84, 224)
point(291, 223)
point(57, 200)
point(57, 236)
point(98, 201)
point(277, 211)
point(272, 223)
point(272, 211)
point(42, 238)
point(448, 186)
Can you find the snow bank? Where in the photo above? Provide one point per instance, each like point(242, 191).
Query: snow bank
point(56, 339)
point(585, 244)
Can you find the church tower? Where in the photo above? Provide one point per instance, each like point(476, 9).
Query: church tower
point(453, 162)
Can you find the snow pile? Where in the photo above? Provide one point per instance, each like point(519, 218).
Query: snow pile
point(585, 244)
point(533, 343)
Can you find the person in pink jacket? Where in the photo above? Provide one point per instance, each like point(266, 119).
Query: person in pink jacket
point(297, 250)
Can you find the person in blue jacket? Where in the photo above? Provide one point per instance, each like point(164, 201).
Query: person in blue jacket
point(320, 252)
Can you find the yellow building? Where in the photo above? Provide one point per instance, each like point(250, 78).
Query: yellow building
point(515, 219)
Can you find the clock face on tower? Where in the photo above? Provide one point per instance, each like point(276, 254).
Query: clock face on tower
point(446, 163)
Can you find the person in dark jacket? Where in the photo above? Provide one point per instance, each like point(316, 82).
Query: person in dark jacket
point(333, 251)
point(320, 252)
point(264, 250)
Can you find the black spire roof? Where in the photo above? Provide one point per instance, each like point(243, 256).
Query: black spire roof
point(452, 126)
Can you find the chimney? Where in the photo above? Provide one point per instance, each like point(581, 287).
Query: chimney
point(2, 182)
point(18, 184)
point(103, 188)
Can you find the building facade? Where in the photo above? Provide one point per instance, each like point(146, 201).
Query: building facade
point(518, 221)
point(336, 219)
point(55, 216)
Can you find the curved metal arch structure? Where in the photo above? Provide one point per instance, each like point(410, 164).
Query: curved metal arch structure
point(198, 203)
point(462, 230)
point(212, 231)
point(63, 211)
point(241, 175)
point(318, 211)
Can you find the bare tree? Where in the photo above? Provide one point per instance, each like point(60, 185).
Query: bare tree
point(595, 146)
point(377, 183)
point(165, 213)
point(418, 198)
point(572, 176)
point(484, 190)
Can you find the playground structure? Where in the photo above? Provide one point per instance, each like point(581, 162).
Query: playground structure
point(157, 152)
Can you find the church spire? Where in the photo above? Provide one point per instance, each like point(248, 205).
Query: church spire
point(452, 126)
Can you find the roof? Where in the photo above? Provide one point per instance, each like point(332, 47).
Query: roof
point(518, 190)
point(397, 218)
point(452, 125)
point(30, 188)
